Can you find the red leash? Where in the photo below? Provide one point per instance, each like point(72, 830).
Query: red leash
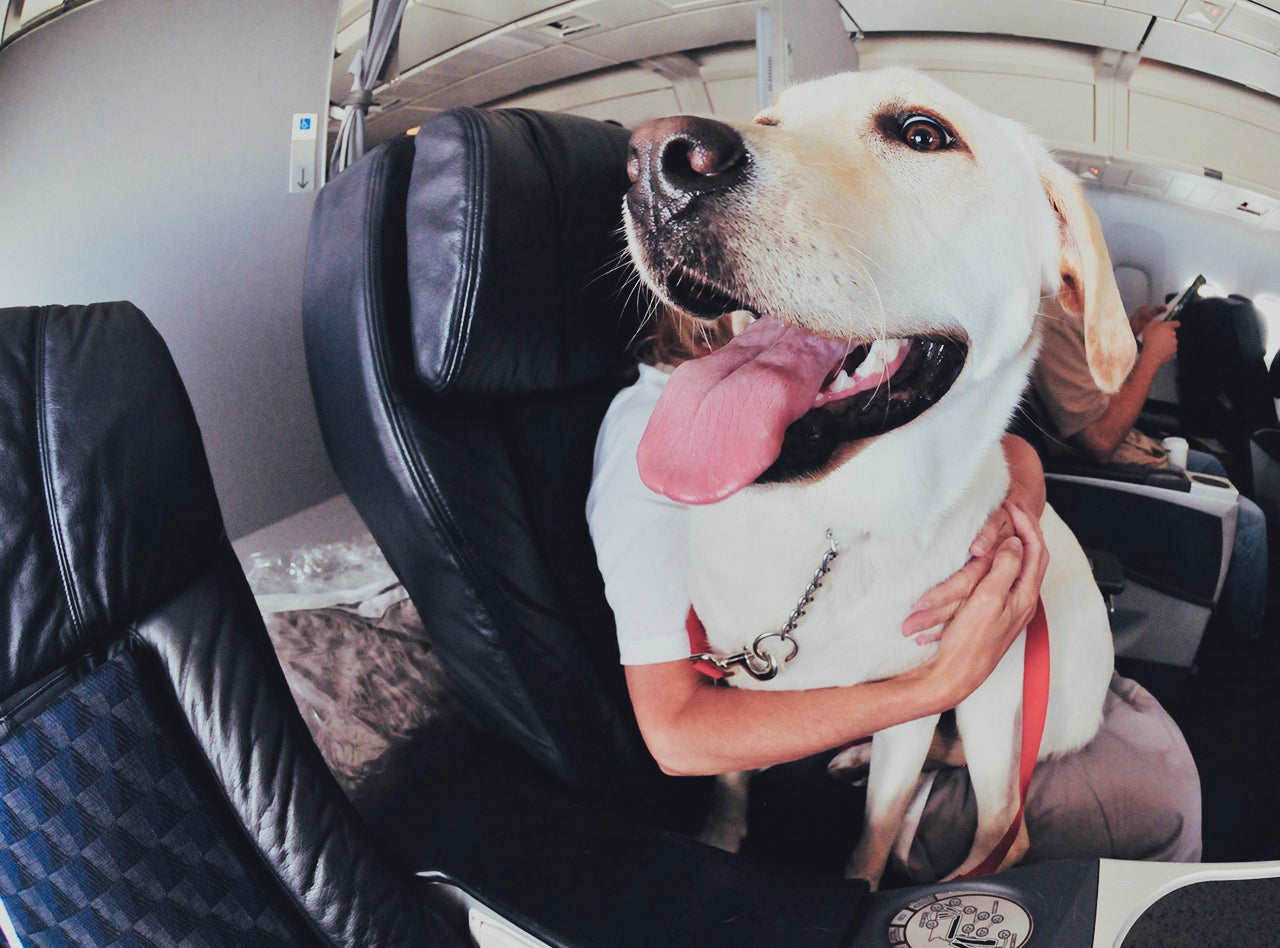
point(699, 644)
point(1035, 708)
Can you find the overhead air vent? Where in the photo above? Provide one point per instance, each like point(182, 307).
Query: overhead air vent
point(568, 26)
point(1245, 208)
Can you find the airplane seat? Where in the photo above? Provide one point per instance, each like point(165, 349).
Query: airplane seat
point(467, 318)
point(1172, 533)
point(1264, 453)
point(1224, 391)
point(157, 784)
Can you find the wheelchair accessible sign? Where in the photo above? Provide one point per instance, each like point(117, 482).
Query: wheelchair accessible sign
point(302, 153)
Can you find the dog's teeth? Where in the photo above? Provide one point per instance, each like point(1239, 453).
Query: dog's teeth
point(840, 382)
point(881, 353)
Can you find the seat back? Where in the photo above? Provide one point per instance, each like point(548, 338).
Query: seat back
point(1223, 387)
point(157, 785)
point(467, 321)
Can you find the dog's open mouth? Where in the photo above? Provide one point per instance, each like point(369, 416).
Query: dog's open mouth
point(878, 387)
point(779, 403)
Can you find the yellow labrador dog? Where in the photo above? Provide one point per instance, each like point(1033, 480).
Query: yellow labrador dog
point(894, 241)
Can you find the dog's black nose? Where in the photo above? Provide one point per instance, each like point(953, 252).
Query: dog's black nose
point(673, 160)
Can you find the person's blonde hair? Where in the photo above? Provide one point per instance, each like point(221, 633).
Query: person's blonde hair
point(678, 337)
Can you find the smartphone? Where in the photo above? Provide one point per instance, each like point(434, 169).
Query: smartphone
point(1174, 311)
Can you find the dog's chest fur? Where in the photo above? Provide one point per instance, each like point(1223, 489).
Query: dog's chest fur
point(904, 512)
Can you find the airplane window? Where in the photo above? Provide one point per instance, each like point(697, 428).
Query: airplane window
point(1268, 305)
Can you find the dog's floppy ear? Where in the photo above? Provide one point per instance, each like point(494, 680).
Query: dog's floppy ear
point(1088, 287)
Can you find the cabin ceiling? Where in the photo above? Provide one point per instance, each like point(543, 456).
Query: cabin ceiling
point(1147, 95)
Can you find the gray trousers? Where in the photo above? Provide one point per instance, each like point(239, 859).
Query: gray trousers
point(1132, 793)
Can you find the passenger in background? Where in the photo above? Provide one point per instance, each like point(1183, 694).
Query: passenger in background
point(1085, 422)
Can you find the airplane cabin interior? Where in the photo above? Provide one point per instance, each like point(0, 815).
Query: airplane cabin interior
point(310, 313)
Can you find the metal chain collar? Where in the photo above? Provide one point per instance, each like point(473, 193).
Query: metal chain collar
point(761, 665)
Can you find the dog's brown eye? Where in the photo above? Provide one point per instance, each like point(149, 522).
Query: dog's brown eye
point(925, 134)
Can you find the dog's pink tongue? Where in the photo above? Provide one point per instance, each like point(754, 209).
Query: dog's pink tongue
point(719, 423)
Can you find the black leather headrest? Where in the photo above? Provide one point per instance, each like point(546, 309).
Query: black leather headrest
point(516, 278)
point(106, 505)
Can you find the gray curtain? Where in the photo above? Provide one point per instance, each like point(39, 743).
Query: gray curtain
point(365, 69)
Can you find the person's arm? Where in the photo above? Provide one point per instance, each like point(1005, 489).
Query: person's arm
point(693, 727)
point(1101, 438)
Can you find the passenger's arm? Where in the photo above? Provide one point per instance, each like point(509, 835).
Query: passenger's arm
point(1101, 438)
point(693, 727)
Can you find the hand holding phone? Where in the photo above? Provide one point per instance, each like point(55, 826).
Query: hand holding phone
point(1175, 310)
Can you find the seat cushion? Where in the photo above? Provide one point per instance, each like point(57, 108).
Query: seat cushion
point(108, 839)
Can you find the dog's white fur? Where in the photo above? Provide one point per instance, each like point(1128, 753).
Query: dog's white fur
point(850, 234)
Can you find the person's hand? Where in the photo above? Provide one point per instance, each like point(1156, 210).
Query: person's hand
point(994, 614)
point(1139, 318)
point(1160, 342)
point(941, 602)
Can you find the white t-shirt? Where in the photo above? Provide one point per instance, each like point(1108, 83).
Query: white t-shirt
point(641, 537)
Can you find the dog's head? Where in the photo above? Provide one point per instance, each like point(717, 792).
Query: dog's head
point(896, 240)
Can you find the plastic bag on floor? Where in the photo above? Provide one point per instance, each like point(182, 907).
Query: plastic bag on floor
point(352, 575)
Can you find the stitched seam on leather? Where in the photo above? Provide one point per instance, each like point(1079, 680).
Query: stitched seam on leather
point(49, 491)
point(446, 528)
point(198, 755)
point(464, 305)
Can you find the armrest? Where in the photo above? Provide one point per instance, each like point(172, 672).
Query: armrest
point(490, 830)
point(1168, 478)
point(485, 824)
point(1172, 531)
point(1107, 571)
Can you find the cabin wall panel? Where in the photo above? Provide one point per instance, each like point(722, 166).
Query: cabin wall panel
point(1172, 243)
point(1184, 121)
point(145, 156)
point(734, 99)
point(1215, 54)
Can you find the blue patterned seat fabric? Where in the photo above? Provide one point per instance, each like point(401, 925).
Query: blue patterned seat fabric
point(108, 841)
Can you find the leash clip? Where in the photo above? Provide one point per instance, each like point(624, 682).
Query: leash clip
point(759, 665)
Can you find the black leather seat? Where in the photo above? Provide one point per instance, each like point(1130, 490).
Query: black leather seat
point(1223, 387)
point(467, 323)
point(157, 785)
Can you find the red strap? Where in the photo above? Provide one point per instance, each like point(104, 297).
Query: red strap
point(1035, 707)
point(699, 644)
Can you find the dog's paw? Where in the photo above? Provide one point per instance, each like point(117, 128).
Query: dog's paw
point(852, 765)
